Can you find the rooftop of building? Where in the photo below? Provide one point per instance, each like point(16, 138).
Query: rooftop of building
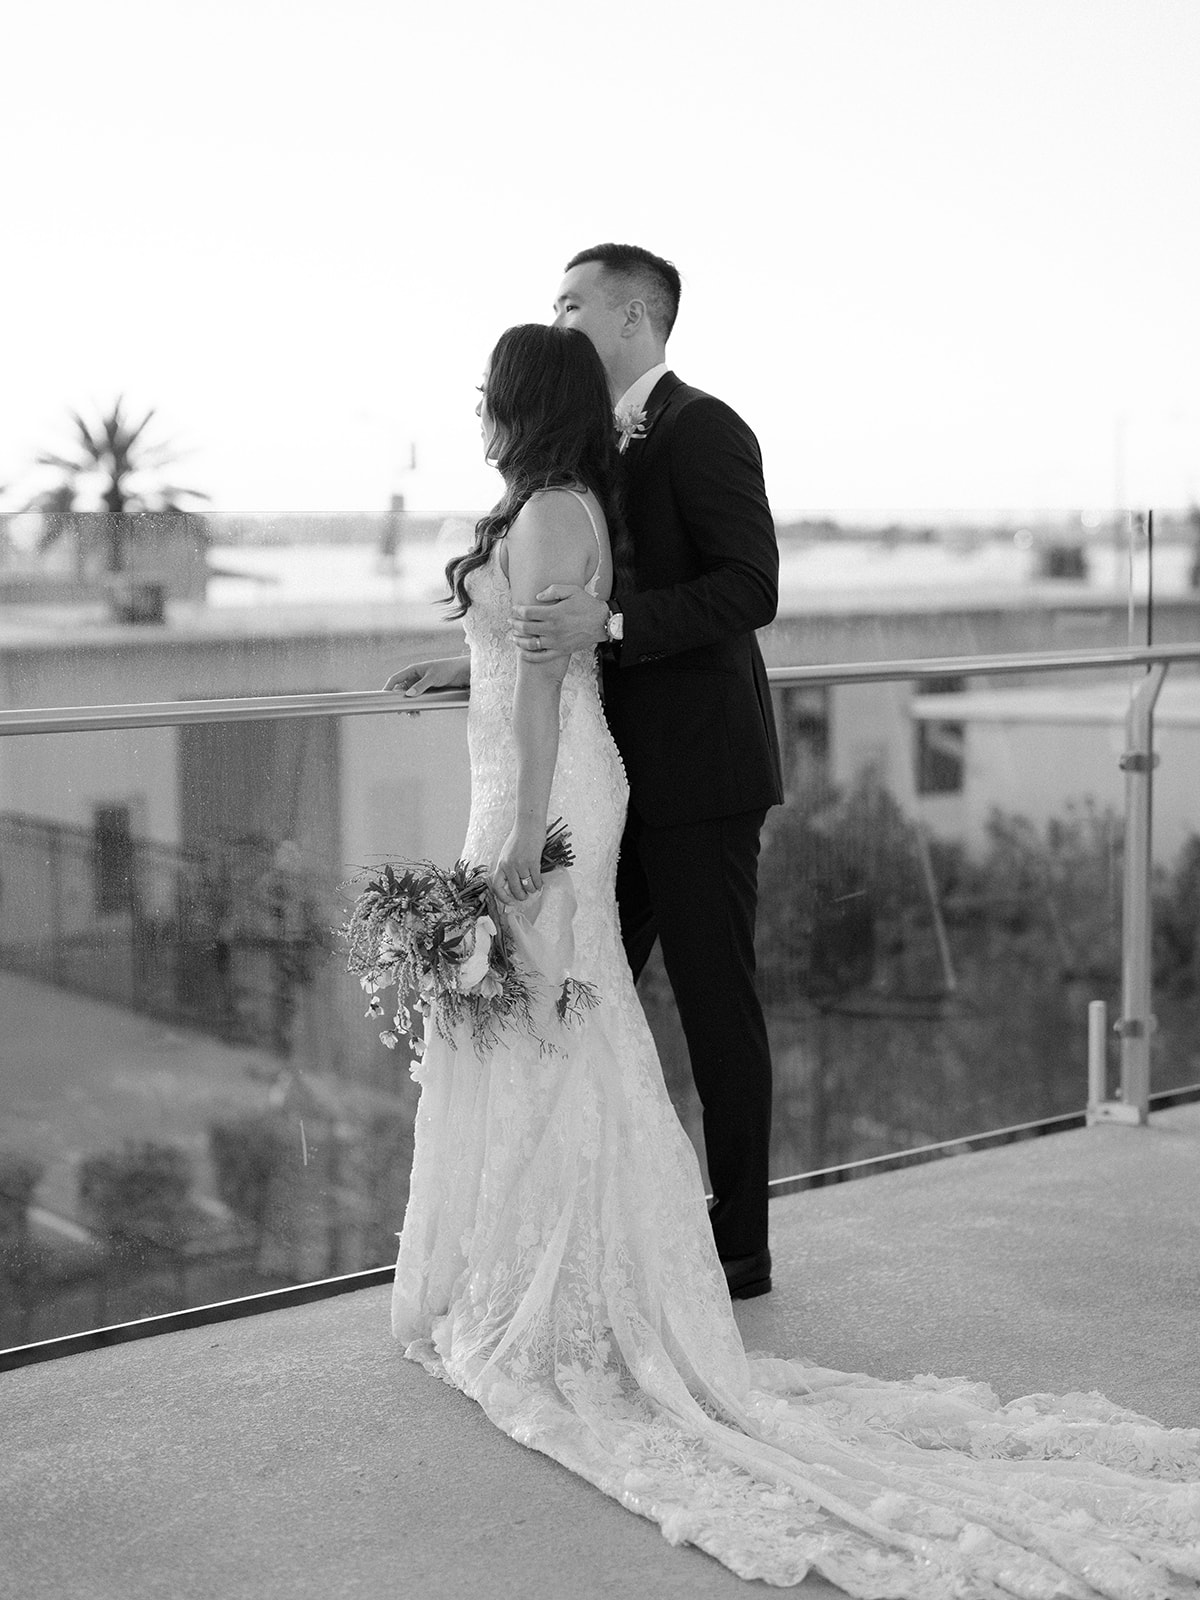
point(1101, 704)
point(66, 627)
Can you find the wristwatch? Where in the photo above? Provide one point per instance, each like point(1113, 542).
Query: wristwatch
point(614, 627)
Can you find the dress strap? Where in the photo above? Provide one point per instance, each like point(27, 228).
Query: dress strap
point(596, 532)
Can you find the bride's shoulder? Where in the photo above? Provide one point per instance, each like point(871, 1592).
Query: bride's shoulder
point(553, 512)
point(551, 540)
point(558, 497)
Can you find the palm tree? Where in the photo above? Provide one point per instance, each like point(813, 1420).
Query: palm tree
point(125, 469)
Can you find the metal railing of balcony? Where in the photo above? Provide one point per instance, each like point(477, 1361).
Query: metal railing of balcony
point(371, 702)
point(1135, 1026)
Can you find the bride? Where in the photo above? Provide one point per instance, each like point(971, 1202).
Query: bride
point(557, 1262)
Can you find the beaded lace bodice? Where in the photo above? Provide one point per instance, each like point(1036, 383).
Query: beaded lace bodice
point(557, 1264)
point(589, 789)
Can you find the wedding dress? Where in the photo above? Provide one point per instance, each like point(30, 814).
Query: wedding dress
point(557, 1264)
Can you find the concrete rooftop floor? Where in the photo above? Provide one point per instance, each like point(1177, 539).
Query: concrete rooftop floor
point(297, 1454)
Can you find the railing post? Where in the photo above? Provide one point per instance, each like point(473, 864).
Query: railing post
point(1137, 1020)
point(1097, 1059)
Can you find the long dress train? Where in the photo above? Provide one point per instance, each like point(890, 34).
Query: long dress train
point(556, 1263)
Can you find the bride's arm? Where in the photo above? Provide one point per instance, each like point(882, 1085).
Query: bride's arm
point(544, 545)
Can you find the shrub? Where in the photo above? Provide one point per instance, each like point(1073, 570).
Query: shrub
point(138, 1195)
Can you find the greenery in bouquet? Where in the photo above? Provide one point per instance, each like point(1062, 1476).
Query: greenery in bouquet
point(440, 937)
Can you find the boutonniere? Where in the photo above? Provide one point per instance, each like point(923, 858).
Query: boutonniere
point(631, 424)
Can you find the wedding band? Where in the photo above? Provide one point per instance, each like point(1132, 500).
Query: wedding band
point(525, 882)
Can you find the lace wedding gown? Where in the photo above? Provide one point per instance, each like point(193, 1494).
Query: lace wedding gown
point(557, 1264)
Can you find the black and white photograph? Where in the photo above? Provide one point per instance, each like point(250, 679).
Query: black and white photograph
point(599, 824)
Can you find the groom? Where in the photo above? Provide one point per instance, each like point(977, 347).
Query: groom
point(686, 696)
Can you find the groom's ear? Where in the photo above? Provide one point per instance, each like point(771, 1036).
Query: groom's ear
point(635, 316)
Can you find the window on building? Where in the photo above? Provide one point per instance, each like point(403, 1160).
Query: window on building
point(112, 857)
point(803, 721)
point(940, 746)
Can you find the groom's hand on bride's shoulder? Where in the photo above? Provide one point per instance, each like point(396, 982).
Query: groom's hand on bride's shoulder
point(565, 618)
point(425, 677)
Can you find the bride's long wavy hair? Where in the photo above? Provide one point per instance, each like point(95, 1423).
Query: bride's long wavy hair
point(549, 404)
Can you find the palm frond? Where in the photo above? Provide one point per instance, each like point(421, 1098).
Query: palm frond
point(62, 463)
point(132, 435)
point(113, 421)
point(56, 506)
point(158, 455)
point(94, 444)
point(172, 492)
point(121, 437)
point(60, 498)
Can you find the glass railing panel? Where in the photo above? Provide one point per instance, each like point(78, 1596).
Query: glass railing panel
point(195, 1106)
point(941, 898)
point(208, 608)
point(1175, 850)
point(871, 585)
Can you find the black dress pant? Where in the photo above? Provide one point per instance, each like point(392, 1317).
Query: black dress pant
point(694, 887)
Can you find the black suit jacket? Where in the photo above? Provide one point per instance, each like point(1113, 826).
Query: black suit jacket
point(686, 692)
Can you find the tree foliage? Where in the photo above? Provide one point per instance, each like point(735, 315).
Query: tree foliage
point(920, 990)
point(110, 461)
point(138, 1195)
point(247, 1154)
point(843, 890)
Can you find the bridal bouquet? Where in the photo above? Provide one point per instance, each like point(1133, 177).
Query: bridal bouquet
point(442, 938)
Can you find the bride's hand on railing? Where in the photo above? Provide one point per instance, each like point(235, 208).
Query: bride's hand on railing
point(424, 677)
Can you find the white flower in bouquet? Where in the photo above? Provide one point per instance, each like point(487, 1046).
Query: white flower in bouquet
point(475, 968)
point(491, 986)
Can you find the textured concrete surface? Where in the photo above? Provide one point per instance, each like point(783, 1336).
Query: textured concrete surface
point(1066, 1262)
point(296, 1454)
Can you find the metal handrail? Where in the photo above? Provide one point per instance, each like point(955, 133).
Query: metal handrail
point(363, 702)
point(926, 667)
point(254, 708)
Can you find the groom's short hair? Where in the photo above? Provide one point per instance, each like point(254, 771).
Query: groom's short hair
point(656, 280)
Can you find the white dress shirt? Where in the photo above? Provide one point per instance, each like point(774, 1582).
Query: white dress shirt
point(635, 397)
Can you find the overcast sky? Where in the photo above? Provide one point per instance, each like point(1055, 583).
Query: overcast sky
point(939, 253)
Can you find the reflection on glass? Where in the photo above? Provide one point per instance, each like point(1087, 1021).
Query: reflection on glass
point(937, 912)
point(194, 1106)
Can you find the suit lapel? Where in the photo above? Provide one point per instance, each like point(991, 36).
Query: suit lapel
point(659, 400)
